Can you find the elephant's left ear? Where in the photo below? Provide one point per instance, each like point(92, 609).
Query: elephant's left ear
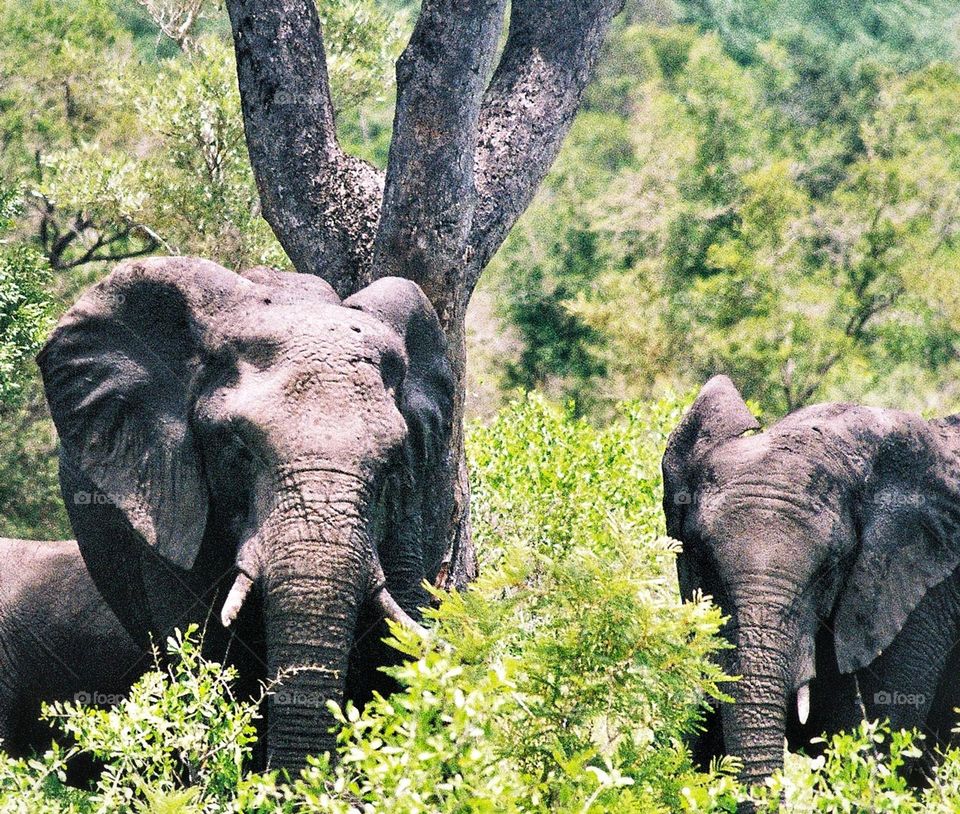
point(427, 398)
point(909, 529)
point(426, 401)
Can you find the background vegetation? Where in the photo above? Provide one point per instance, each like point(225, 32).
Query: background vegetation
point(770, 190)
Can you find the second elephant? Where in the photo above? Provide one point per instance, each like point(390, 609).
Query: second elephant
point(58, 639)
point(831, 540)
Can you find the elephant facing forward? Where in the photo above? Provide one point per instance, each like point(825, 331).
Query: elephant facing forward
point(831, 540)
point(260, 452)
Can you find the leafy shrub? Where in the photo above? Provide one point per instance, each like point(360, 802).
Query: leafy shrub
point(563, 680)
point(25, 307)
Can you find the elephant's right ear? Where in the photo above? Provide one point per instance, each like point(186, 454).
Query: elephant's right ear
point(718, 414)
point(118, 373)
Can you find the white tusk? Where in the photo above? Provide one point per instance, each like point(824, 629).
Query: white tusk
point(235, 599)
point(803, 703)
point(392, 610)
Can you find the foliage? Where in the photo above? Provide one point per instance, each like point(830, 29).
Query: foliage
point(910, 33)
point(62, 63)
point(698, 220)
point(563, 680)
point(25, 308)
point(192, 186)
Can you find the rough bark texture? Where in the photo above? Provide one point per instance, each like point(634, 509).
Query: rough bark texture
point(430, 195)
point(529, 107)
point(466, 158)
point(321, 203)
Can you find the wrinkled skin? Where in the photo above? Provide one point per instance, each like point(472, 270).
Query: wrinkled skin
point(59, 640)
point(250, 430)
point(831, 540)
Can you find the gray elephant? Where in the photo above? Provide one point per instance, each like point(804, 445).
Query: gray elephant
point(59, 640)
point(259, 451)
point(831, 541)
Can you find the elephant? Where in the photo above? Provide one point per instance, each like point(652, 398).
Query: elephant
point(59, 640)
point(831, 542)
point(263, 453)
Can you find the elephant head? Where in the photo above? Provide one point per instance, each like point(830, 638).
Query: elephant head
point(827, 529)
point(253, 430)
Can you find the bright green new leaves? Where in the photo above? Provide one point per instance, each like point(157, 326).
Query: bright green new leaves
point(25, 307)
point(561, 681)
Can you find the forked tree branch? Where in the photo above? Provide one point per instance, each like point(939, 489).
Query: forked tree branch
point(322, 204)
point(430, 196)
point(464, 163)
point(528, 109)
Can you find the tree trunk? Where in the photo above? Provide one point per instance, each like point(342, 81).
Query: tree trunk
point(467, 155)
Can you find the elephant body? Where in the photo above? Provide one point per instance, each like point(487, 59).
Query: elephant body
point(831, 541)
point(263, 455)
point(59, 640)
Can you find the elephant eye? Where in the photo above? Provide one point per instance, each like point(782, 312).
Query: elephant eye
point(231, 450)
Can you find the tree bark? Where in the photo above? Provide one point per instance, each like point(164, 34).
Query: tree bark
point(467, 155)
point(529, 107)
point(322, 204)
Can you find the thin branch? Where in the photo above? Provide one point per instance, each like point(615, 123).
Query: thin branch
point(529, 107)
point(175, 19)
point(55, 243)
point(429, 198)
point(322, 204)
point(91, 256)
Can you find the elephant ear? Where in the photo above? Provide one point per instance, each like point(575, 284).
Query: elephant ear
point(426, 400)
point(118, 373)
point(909, 537)
point(719, 413)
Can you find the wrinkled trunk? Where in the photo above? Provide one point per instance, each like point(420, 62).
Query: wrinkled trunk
point(754, 725)
point(316, 576)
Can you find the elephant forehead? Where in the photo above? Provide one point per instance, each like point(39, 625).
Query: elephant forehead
point(323, 331)
point(793, 478)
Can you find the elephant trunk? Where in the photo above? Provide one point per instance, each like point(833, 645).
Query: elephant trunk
point(754, 725)
point(316, 574)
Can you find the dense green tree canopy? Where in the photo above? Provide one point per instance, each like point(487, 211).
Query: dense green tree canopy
point(767, 189)
point(772, 195)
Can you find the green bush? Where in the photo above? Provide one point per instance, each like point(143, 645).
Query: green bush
point(563, 680)
point(25, 306)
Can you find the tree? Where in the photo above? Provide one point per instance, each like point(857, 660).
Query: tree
point(59, 88)
point(470, 146)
